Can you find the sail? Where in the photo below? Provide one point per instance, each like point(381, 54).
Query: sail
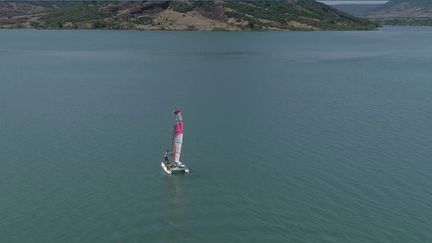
point(177, 135)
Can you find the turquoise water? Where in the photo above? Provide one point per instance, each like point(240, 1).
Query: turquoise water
point(290, 137)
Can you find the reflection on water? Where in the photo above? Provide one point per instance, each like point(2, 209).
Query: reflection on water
point(174, 200)
point(126, 53)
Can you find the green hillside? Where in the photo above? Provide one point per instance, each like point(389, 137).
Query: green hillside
point(186, 15)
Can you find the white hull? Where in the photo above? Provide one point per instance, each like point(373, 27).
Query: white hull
point(165, 168)
point(179, 169)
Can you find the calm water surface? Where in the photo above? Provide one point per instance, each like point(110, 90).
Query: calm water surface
point(290, 137)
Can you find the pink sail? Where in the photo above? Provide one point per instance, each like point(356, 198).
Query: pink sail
point(177, 135)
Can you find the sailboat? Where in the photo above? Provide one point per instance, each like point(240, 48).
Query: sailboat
point(175, 166)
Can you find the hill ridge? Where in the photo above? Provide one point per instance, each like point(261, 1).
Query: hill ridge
point(180, 15)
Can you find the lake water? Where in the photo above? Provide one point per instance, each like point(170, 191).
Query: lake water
point(290, 136)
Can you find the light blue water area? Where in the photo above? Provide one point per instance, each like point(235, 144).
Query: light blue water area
point(290, 136)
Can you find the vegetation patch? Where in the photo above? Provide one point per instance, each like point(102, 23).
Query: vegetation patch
point(82, 12)
point(144, 20)
point(181, 7)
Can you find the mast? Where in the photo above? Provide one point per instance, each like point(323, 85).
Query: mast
point(177, 135)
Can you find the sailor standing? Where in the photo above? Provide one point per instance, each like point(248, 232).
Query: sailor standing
point(166, 159)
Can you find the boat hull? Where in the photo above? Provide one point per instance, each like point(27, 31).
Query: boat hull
point(164, 167)
point(175, 170)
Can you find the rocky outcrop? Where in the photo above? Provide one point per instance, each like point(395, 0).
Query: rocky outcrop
point(403, 12)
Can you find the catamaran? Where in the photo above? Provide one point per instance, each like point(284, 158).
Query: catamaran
point(175, 167)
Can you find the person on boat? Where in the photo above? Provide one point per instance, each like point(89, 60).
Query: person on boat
point(166, 158)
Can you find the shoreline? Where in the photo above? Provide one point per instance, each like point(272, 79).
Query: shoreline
point(215, 30)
